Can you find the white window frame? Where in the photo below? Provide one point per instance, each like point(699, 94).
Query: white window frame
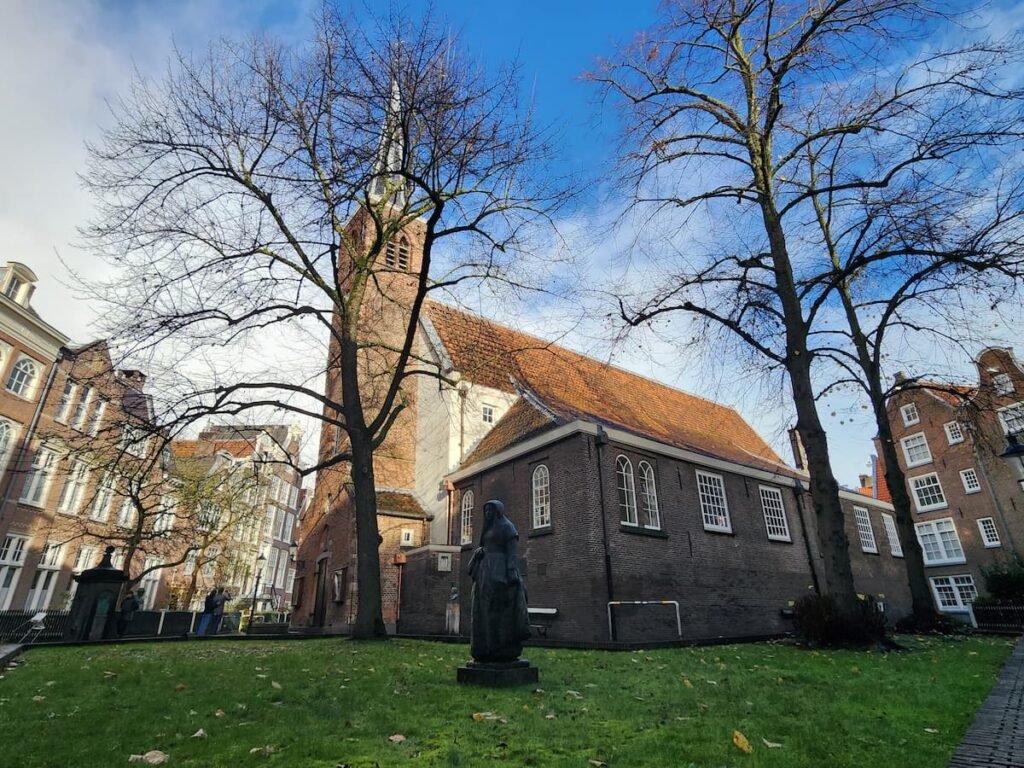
point(944, 533)
point(773, 508)
point(7, 447)
point(81, 407)
point(540, 493)
point(164, 519)
point(914, 481)
point(1011, 418)
point(915, 442)
point(865, 531)
point(408, 538)
point(487, 414)
point(73, 491)
point(954, 432)
point(1002, 384)
point(67, 396)
point(150, 583)
point(13, 550)
point(104, 495)
point(965, 477)
point(910, 415)
point(39, 477)
point(125, 517)
point(892, 534)
point(648, 496)
point(989, 533)
point(25, 387)
point(93, 428)
point(960, 585)
point(626, 491)
point(44, 580)
point(466, 517)
point(714, 505)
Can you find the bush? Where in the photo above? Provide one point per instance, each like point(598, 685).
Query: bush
point(818, 621)
point(1005, 581)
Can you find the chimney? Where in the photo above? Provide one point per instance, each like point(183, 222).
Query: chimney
point(867, 486)
point(797, 446)
point(136, 378)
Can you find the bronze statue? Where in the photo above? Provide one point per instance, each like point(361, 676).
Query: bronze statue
point(500, 621)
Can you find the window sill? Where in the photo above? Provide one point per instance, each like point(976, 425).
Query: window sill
point(993, 546)
point(636, 530)
point(922, 511)
point(971, 493)
point(916, 464)
point(780, 540)
point(545, 530)
point(724, 531)
point(961, 561)
point(36, 504)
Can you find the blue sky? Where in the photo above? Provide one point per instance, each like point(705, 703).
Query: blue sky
point(64, 59)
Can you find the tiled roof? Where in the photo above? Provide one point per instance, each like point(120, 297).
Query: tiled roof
point(881, 487)
point(954, 394)
point(573, 386)
point(399, 502)
point(190, 448)
point(521, 422)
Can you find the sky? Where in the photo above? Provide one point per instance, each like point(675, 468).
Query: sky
point(65, 59)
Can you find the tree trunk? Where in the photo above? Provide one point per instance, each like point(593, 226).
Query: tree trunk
point(920, 592)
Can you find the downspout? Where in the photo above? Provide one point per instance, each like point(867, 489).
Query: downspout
point(800, 493)
point(31, 430)
point(600, 441)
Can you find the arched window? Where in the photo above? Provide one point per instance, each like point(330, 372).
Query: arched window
point(541, 497)
point(466, 521)
point(627, 491)
point(648, 496)
point(403, 254)
point(6, 441)
point(391, 254)
point(23, 375)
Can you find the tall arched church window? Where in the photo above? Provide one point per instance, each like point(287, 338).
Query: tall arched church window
point(627, 491)
point(6, 441)
point(22, 377)
point(648, 496)
point(541, 497)
point(466, 520)
point(391, 255)
point(403, 254)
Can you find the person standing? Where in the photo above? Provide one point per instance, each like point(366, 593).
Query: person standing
point(207, 616)
point(218, 610)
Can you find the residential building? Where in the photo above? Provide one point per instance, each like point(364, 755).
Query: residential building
point(969, 507)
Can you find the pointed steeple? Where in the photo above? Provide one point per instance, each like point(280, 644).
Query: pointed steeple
point(387, 165)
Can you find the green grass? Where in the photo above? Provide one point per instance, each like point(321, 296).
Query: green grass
point(339, 701)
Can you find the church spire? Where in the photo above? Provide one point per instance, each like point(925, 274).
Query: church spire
point(387, 166)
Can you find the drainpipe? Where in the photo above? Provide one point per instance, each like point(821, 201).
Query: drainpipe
point(800, 493)
point(600, 441)
point(31, 430)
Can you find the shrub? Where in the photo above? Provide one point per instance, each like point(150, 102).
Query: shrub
point(818, 621)
point(1005, 581)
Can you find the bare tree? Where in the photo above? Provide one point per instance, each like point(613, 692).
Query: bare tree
point(826, 144)
point(260, 192)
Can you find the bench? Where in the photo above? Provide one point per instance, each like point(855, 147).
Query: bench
point(540, 619)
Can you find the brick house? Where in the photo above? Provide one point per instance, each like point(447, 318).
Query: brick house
point(970, 506)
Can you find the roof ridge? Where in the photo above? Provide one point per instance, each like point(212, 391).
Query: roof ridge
point(558, 347)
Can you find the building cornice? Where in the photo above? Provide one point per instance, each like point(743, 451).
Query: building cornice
point(33, 332)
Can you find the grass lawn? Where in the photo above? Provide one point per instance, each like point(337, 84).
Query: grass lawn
point(333, 702)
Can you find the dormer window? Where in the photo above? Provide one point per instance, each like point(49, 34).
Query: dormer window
point(18, 283)
point(13, 289)
point(1003, 384)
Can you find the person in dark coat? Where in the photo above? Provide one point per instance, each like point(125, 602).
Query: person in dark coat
point(207, 615)
point(218, 609)
point(500, 621)
point(129, 606)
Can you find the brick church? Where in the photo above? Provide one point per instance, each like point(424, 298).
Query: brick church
point(643, 512)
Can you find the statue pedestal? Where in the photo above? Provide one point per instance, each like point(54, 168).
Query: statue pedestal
point(498, 674)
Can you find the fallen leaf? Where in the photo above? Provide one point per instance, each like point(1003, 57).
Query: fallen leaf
point(153, 757)
point(396, 738)
point(192, 712)
point(574, 694)
point(37, 699)
point(741, 742)
point(264, 750)
point(110, 674)
point(597, 763)
point(275, 685)
point(550, 716)
point(219, 713)
point(711, 682)
point(200, 734)
point(262, 677)
point(770, 744)
point(687, 683)
point(180, 687)
point(931, 730)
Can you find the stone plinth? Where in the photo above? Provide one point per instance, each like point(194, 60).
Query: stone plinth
point(498, 674)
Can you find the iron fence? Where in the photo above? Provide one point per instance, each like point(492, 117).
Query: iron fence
point(16, 626)
point(1000, 618)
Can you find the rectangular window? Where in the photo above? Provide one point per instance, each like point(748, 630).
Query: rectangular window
point(81, 407)
point(45, 579)
point(134, 440)
point(910, 415)
point(1012, 418)
point(289, 525)
point(282, 569)
point(150, 582)
point(864, 530)
point(408, 538)
point(970, 480)
point(1003, 384)
point(775, 522)
point(940, 542)
point(714, 508)
point(74, 489)
point(97, 418)
point(293, 496)
point(125, 513)
point(487, 414)
point(190, 562)
point(101, 502)
point(164, 519)
point(37, 479)
point(64, 406)
point(892, 534)
point(927, 492)
point(954, 432)
point(12, 557)
point(279, 519)
point(915, 449)
point(989, 533)
point(340, 583)
point(84, 560)
point(954, 593)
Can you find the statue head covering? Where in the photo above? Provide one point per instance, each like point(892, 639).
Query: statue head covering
point(494, 510)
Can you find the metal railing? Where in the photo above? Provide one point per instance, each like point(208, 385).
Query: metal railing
point(16, 626)
point(999, 618)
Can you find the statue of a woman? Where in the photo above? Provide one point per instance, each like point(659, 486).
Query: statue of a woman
point(500, 621)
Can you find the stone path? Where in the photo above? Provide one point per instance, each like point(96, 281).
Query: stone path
point(996, 737)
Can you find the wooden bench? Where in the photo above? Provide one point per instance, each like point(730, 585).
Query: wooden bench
point(540, 620)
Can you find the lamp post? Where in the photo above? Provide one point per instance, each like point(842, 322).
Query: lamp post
point(256, 589)
point(1014, 458)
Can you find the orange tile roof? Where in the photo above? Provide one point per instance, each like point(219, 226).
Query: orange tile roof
point(399, 502)
point(573, 386)
point(881, 487)
point(521, 422)
point(189, 448)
